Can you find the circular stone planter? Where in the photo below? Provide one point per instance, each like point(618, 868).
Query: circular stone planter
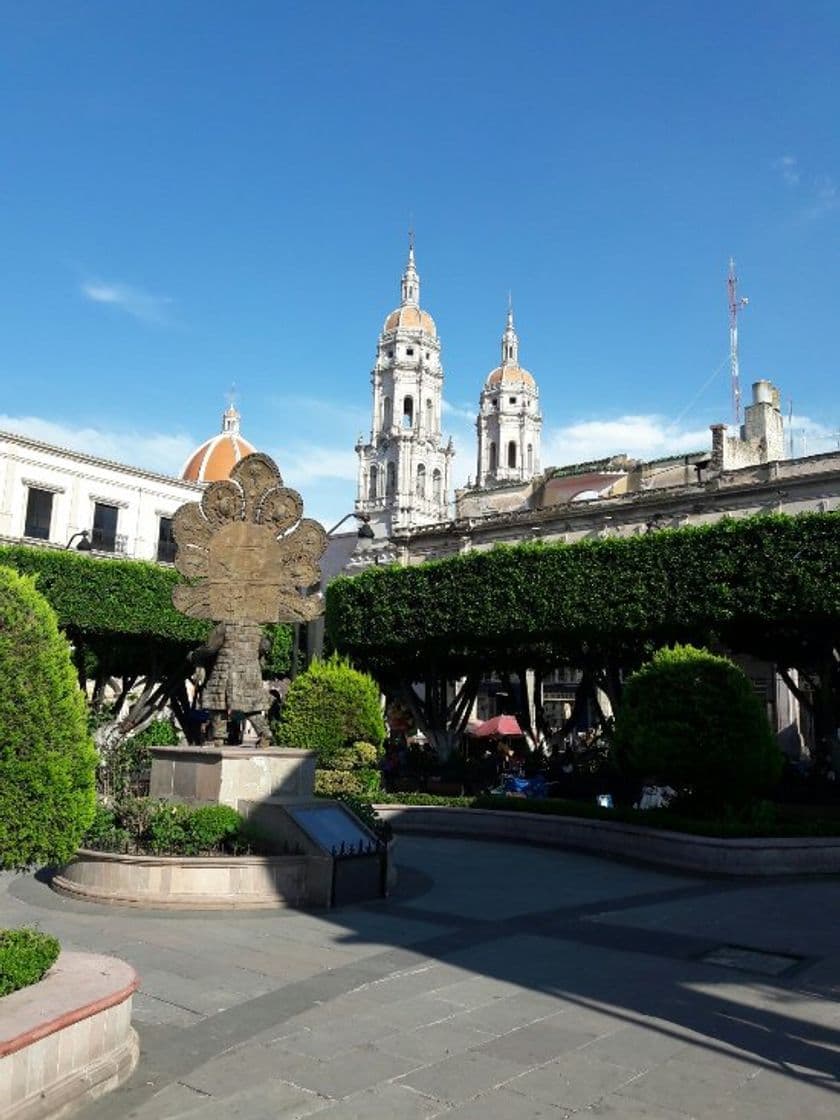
point(760, 856)
point(186, 882)
point(67, 1039)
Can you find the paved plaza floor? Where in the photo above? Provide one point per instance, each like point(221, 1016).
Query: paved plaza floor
point(499, 982)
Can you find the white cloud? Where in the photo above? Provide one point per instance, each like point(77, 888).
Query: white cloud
point(306, 463)
point(140, 305)
point(787, 166)
point(640, 437)
point(825, 198)
point(819, 194)
point(810, 437)
point(164, 452)
point(461, 412)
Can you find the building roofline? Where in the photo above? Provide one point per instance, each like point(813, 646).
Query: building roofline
point(96, 461)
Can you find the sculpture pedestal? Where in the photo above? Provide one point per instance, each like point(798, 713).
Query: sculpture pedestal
point(229, 775)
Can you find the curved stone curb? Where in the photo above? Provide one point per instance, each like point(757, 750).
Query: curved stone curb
point(805, 855)
point(185, 882)
point(67, 1039)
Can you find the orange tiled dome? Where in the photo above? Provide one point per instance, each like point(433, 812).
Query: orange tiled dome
point(217, 456)
point(508, 374)
point(410, 318)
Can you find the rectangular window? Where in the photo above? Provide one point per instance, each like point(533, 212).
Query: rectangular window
point(104, 535)
point(38, 514)
point(166, 547)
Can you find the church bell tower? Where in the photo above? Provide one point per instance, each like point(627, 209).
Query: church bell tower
point(404, 469)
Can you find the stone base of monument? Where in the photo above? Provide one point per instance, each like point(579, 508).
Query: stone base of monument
point(319, 854)
point(227, 775)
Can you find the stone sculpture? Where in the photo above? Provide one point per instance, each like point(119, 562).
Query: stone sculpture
point(250, 559)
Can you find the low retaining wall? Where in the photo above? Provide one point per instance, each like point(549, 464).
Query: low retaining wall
point(68, 1039)
point(196, 882)
point(714, 855)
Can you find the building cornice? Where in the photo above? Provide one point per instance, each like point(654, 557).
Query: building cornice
point(715, 495)
point(95, 461)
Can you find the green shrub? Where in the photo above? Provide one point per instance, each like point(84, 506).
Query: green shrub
point(357, 783)
point(47, 760)
point(140, 825)
point(214, 826)
point(158, 733)
point(184, 830)
point(25, 955)
point(330, 707)
point(104, 834)
point(692, 720)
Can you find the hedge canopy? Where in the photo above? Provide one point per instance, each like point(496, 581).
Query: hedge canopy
point(94, 596)
point(770, 584)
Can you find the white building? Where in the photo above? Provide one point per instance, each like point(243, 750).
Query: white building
point(404, 469)
point(56, 497)
point(509, 422)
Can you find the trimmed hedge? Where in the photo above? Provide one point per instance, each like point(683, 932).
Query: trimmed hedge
point(47, 759)
point(330, 707)
point(98, 596)
point(771, 583)
point(691, 719)
point(25, 956)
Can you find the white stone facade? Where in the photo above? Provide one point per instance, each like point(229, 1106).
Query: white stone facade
point(509, 423)
point(761, 438)
point(404, 469)
point(51, 496)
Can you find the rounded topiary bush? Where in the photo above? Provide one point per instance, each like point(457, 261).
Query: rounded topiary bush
point(330, 707)
point(47, 759)
point(25, 955)
point(692, 720)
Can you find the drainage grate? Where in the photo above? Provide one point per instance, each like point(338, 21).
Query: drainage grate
point(751, 960)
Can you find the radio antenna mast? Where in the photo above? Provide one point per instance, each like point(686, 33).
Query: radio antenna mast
point(735, 305)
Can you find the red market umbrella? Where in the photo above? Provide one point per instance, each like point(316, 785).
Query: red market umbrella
point(498, 728)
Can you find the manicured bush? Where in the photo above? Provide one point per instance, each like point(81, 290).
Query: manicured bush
point(692, 720)
point(330, 707)
point(25, 955)
point(142, 826)
point(47, 760)
point(358, 783)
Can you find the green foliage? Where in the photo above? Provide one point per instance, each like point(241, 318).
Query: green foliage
point(328, 708)
point(358, 783)
point(104, 834)
point(158, 733)
point(183, 830)
point(691, 719)
point(47, 760)
point(125, 769)
point(140, 825)
point(769, 583)
point(25, 955)
point(358, 756)
point(278, 660)
point(105, 597)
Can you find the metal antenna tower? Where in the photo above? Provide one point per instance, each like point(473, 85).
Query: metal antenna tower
point(735, 305)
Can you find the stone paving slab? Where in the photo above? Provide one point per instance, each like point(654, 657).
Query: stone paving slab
point(499, 982)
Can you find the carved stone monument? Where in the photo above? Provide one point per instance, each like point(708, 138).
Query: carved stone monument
point(250, 559)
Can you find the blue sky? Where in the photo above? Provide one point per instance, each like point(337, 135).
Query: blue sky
point(199, 193)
